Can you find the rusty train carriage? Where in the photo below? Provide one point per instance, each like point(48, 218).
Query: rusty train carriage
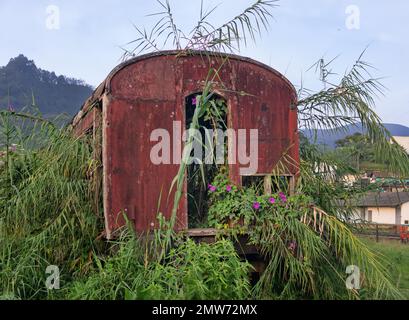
point(149, 92)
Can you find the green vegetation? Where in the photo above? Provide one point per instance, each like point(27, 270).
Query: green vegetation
point(46, 213)
point(359, 152)
point(308, 250)
point(356, 149)
point(191, 271)
point(398, 256)
point(48, 218)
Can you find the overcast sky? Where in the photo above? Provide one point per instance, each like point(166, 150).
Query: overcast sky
point(87, 43)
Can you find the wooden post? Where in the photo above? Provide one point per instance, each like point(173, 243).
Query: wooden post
point(292, 185)
point(268, 185)
point(377, 233)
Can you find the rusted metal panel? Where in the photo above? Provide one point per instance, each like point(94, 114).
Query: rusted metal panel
point(88, 106)
point(88, 123)
point(148, 93)
point(267, 108)
point(135, 184)
point(147, 80)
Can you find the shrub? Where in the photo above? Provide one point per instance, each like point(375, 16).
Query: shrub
point(190, 271)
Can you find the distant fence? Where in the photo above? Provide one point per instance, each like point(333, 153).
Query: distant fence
point(391, 231)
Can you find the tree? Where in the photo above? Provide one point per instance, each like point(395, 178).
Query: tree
point(358, 147)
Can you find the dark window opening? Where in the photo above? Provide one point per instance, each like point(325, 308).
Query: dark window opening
point(267, 184)
point(200, 175)
point(254, 182)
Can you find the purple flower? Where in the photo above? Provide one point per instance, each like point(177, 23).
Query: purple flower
point(194, 101)
point(212, 188)
point(11, 109)
point(228, 188)
point(283, 197)
point(272, 200)
point(256, 205)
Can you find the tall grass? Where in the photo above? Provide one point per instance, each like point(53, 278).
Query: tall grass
point(46, 216)
point(398, 255)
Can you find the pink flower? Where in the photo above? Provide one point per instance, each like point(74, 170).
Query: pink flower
point(283, 197)
point(272, 200)
point(256, 205)
point(11, 109)
point(212, 188)
point(228, 188)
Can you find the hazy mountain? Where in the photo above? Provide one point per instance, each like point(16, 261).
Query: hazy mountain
point(329, 138)
point(21, 80)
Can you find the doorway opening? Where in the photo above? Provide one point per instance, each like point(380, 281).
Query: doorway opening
point(200, 174)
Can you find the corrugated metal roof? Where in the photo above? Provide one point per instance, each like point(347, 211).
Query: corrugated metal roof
point(383, 199)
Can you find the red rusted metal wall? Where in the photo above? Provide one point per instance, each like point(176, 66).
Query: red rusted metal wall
point(149, 92)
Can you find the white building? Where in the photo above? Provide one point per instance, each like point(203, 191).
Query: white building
point(403, 141)
point(385, 208)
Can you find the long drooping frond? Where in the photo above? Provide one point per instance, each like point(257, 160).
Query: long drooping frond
point(352, 101)
point(314, 266)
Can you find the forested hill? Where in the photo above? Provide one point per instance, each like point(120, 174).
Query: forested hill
point(21, 80)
